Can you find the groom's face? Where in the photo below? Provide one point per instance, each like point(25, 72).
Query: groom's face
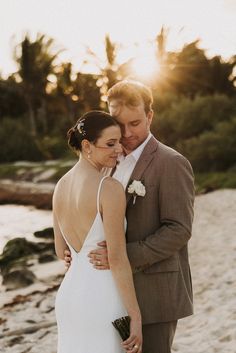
point(134, 122)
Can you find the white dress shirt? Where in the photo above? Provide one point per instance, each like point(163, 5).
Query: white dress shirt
point(127, 163)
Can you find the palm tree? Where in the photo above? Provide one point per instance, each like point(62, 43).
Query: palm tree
point(110, 72)
point(161, 41)
point(36, 62)
point(222, 75)
point(77, 92)
point(65, 88)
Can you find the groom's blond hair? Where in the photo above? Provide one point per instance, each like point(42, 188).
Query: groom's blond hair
point(131, 93)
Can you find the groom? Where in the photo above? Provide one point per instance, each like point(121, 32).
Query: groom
point(158, 223)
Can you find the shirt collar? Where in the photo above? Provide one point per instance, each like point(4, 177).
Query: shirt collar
point(138, 151)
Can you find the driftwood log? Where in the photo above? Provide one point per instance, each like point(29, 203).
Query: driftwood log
point(26, 193)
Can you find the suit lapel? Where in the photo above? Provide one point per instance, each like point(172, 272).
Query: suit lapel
point(112, 171)
point(142, 163)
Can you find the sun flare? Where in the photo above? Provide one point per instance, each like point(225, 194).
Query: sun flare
point(146, 67)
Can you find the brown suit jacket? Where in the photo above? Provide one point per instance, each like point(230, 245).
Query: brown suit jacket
point(158, 230)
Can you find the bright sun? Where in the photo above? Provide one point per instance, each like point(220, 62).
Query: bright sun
point(146, 67)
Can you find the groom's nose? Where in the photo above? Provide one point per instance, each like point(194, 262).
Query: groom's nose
point(126, 132)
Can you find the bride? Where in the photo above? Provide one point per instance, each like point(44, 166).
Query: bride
point(88, 208)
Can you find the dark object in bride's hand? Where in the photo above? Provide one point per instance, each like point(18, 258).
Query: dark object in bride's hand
point(123, 327)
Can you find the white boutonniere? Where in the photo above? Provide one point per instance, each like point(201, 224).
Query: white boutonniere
point(137, 189)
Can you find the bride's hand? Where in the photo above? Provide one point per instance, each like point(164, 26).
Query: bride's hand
point(134, 343)
point(98, 257)
point(67, 258)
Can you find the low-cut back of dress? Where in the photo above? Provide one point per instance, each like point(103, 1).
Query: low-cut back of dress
point(88, 301)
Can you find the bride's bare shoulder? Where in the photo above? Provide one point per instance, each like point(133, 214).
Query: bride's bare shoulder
point(111, 182)
point(112, 188)
point(61, 183)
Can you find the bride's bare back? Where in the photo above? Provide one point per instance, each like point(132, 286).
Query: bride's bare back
point(75, 205)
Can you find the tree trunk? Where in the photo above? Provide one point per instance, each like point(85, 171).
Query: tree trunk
point(32, 120)
point(42, 116)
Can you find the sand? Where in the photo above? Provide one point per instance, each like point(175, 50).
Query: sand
point(213, 258)
point(213, 261)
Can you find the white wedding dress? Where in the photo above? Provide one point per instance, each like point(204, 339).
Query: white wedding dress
point(88, 301)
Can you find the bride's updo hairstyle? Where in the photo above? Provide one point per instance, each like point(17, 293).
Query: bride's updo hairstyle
point(90, 127)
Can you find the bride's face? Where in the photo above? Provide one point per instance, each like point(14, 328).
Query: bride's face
point(105, 151)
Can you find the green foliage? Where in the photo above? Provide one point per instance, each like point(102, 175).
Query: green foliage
point(36, 62)
point(186, 118)
point(11, 101)
point(203, 129)
point(222, 75)
point(190, 69)
point(194, 101)
point(88, 93)
point(206, 182)
point(17, 143)
point(53, 147)
point(212, 150)
point(190, 73)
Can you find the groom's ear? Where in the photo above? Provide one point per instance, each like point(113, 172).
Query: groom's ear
point(150, 116)
point(114, 107)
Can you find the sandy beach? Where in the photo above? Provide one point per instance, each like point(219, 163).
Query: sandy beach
point(27, 319)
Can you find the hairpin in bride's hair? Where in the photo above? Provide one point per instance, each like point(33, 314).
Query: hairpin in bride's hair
point(80, 127)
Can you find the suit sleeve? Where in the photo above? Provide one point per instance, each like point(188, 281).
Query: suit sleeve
point(175, 200)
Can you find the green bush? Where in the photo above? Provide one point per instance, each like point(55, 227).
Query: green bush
point(53, 147)
point(186, 118)
point(213, 150)
point(17, 143)
point(202, 129)
point(206, 182)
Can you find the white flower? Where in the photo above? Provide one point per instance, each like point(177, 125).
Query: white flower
point(137, 189)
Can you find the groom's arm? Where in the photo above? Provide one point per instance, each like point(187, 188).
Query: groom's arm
point(175, 202)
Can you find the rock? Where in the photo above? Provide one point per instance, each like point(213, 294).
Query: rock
point(19, 253)
point(18, 278)
point(47, 305)
point(15, 340)
point(15, 249)
point(47, 233)
point(20, 247)
point(13, 265)
point(2, 321)
point(16, 256)
point(47, 257)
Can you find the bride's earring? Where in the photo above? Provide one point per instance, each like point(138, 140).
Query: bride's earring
point(89, 155)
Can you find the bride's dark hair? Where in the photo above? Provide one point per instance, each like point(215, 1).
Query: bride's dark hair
point(89, 126)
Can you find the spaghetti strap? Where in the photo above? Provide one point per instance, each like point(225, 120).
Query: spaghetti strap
point(99, 190)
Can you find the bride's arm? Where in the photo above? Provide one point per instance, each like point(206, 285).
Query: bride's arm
point(113, 205)
point(59, 241)
point(60, 244)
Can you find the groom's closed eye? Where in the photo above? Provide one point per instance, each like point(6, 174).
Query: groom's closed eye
point(135, 123)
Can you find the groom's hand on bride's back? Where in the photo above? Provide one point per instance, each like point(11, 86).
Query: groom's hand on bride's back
point(98, 257)
point(67, 258)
